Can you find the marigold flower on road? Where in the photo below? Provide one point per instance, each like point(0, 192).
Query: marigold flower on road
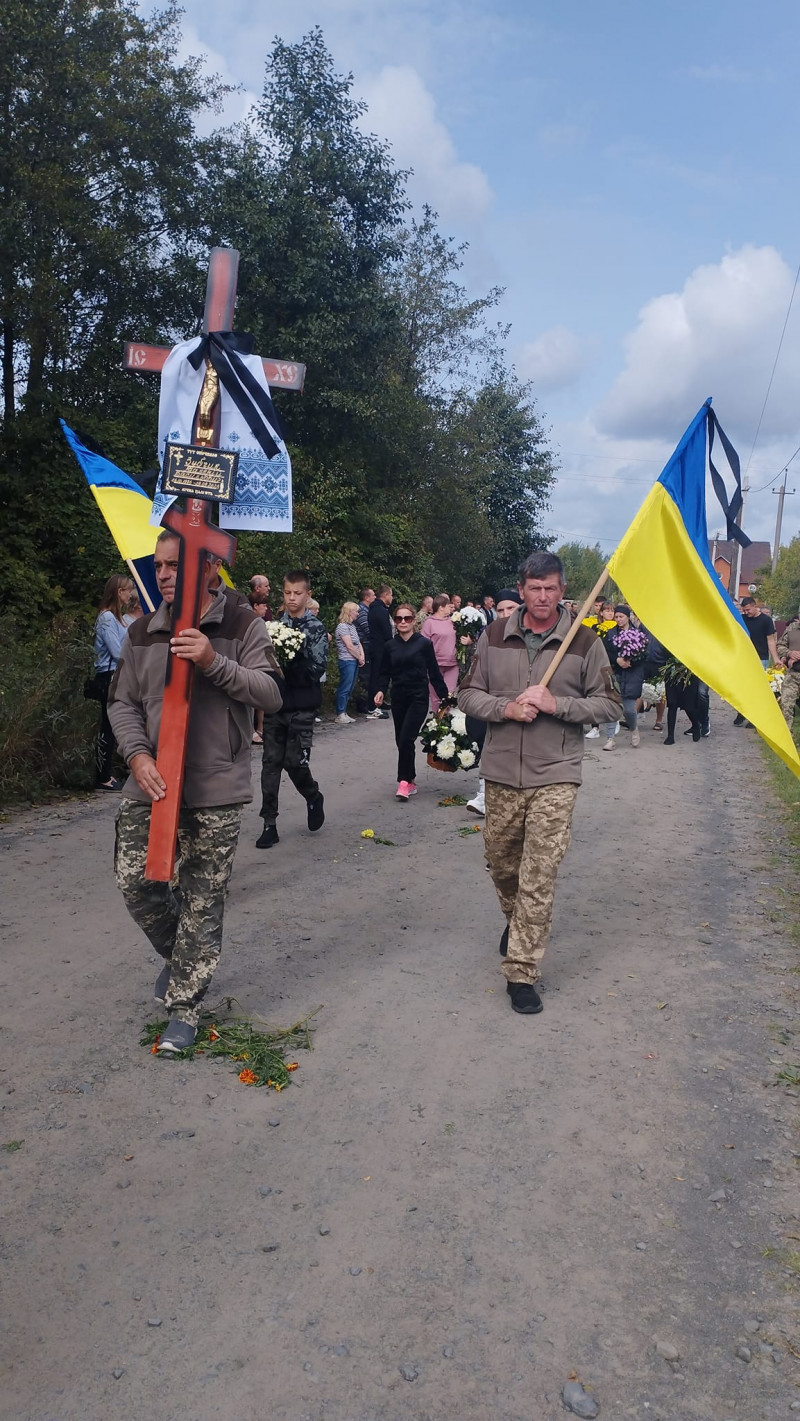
point(292, 1065)
point(154, 1047)
point(248, 1077)
point(213, 1034)
point(368, 833)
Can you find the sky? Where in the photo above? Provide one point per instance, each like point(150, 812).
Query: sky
point(627, 172)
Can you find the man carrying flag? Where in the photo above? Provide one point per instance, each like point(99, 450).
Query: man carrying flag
point(531, 759)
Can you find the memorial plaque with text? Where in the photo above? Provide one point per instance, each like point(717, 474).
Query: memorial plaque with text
point(192, 471)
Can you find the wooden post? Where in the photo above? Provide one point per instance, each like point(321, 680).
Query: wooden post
point(574, 629)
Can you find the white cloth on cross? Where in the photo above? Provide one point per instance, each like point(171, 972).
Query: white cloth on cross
point(263, 499)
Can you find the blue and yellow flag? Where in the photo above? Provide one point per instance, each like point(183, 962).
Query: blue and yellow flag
point(126, 509)
point(665, 571)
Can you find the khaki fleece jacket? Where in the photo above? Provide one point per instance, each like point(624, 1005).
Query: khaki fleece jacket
point(244, 673)
point(549, 750)
point(790, 641)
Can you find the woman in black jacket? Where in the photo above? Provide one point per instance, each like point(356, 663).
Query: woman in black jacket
point(409, 662)
point(629, 673)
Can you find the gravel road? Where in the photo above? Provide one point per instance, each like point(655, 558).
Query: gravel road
point(458, 1209)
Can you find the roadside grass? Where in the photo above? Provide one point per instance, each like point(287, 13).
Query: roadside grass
point(47, 729)
point(787, 1258)
point(787, 792)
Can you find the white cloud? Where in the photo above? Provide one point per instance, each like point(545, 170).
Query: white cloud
point(403, 110)
point(561, 136)
point(718, 336)
point(236, 105)
point(720, 74)
point(555, 359)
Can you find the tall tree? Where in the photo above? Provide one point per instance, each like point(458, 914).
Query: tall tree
point(582, 567)
point(100, 176)
point(780, 589)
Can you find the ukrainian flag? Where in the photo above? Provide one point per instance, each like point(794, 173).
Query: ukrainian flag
point(664, 570)
point(126, 509)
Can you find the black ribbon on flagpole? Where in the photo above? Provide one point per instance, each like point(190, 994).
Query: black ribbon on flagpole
point(224, 350)
point(731, 507)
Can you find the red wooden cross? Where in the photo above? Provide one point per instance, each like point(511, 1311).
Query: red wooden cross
point(198, 537)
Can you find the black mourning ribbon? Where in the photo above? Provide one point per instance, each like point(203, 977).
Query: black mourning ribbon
point(731, 508)
point(224, 349)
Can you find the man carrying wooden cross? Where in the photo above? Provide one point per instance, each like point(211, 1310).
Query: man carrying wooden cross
point(234, 669)
point(531, 760)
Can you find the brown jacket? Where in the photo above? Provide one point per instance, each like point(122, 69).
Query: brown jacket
point(244, 673)
point(549, 750)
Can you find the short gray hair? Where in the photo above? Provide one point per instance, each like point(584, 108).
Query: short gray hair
point(540, 565)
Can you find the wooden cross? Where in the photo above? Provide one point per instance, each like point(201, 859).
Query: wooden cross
point(198, 538)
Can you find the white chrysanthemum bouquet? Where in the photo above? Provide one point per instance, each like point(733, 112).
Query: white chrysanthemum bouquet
point(287, 642)
point(468, 622)
point(444, 736)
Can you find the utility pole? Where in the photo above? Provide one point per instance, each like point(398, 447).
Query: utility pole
point(781, 492)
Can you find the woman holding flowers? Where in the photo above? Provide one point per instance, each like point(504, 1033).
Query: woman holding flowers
point(439, 630)
point(409, 662)
point(627, 649)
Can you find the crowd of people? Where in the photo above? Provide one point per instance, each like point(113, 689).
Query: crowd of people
point(497, 664)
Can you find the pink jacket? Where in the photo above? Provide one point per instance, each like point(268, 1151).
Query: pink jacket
point(442, 633)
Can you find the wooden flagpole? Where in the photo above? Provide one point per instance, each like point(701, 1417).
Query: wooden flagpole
point(575, 628)
point(143, 592)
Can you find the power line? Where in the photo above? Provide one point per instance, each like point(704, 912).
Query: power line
point(577, 454)
point(602, 479)
point(777, 476)
point(772, 376)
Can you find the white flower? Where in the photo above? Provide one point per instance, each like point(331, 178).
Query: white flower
point(446, 748)
point(466, 759)
point(471, 619)
point(458, 723)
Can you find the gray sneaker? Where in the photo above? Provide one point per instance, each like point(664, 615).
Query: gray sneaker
point(179, 1036)
point(162, 982)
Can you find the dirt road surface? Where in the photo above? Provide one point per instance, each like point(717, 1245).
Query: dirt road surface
point(453, 1208)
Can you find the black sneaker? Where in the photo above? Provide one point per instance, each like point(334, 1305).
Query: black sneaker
point(740, 720)
point(267, 837)
point(179, 1036)
point(504, 942)
point(524, 998)
point(162, 982)
point(316, 812)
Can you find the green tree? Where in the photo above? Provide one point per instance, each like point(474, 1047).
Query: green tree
point(781, 589)
point(100, 180)
point(582, 567)
point(316, 206)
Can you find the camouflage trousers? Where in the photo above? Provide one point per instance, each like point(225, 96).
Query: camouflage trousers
point(790, 690)
point(526, 835)
point(184, 926)
point(287, 746)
